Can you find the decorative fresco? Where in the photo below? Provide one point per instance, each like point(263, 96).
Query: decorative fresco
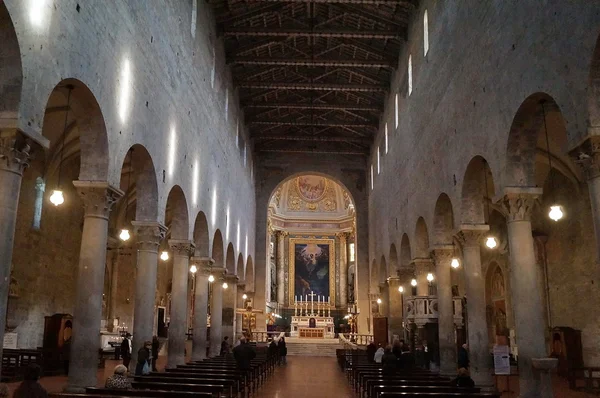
point(311, 193)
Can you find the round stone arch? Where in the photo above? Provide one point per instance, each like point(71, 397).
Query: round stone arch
point(443, 221)
point(249, 275)
point(12, 69)
point(230, 259)
point(421, 247)
point(239, 270)
point(176, 214)
point(393, 267)
point(526, 149)
point(217, 252)
point(201, 235)
point(475, 192)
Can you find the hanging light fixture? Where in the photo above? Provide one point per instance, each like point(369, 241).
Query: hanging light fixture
point(244, 296)
point(211, 278)
point(413, 282)
point(225, 285)
point(57, 198)
point(164, 255)
point(490, 241)
point(455, 263)
point(430, 277)
point(125, 235)
point(378, 301)
point(193, 268)
point(401, 289)
point(556, 211)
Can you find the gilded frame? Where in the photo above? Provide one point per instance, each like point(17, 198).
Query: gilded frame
point(292, 264)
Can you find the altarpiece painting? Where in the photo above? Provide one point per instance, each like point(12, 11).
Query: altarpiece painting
point(312, 268)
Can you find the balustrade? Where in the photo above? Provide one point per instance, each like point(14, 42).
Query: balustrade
point(423, 309)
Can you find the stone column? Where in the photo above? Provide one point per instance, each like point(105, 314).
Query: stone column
point(529, 318)
point(148, 235)
point(241, 288)
point(229, 305)
point(281, 266)
point(199, 339)
point(114, 280)
point(98, 199)
point(480, 362)
point(443, 257)
point(588, 156)
point(182, 250)
point(343, 270)
point(395, 308)
point(14, 158)
point(216, 312)
point(423, 266)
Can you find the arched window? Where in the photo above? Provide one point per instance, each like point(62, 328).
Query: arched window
point(425, 33)
point(194, 16)
point(386, 138)
point(371, 177)
point(40, 187)
point(396, 109)
point(378, 161)
point(410, 75)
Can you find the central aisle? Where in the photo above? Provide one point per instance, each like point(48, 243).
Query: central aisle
point(307, 377)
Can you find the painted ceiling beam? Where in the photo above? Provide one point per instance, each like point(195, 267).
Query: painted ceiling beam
point(313, 86)
point(317, 151)
point(372, 126)
point(332, 106)
point(348, 62)
point(316, 138)
point(341, 33)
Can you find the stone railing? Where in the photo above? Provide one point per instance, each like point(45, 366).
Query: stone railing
point(347, 343)
point(263, 337)
point(359, 339)
point(421, 310)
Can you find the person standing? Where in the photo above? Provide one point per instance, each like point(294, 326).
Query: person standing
point(282, 351)
point(155, 349)
point(243, 354)
point(389, 362)
point(463, 357)
point(30, 387)
point(143, 358)
point(126, 350)
point(378, 354)
point(225, 346)
point(371, 349)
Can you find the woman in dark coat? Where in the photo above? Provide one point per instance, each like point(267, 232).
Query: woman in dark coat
point(143, 358)
point(282, 351)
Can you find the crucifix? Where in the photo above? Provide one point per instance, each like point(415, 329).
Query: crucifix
point(248, 318)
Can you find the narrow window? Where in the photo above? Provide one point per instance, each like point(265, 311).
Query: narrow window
point(371, 177)
point(40, 187)
point(396, 105)
point(245, 148)
point(409, 75)
point(194, 16)
point(386, 139)
point(226, 104)
point(212, 72)
point(237, 134)
point(351, 252)
point(425, 33)
point(378, 161)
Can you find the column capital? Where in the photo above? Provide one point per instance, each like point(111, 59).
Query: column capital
point(98, 197)
point(182, 247)
point(149, 234)
point(518, 202)
point(393, 281)
point(422, 264)
point(231, 279)
point(471, 234)
point(442, 254)
point(15, 151)
point(281, 233)
point(587, 155)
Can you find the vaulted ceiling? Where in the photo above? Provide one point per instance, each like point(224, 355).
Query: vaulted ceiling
point(313, 75)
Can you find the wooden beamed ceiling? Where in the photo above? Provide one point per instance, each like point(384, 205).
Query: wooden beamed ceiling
point(313, 75)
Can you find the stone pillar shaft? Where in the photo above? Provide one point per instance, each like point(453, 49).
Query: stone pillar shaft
point(525, 283)
point(182, 249)
point(229, 305)
point(343, 270)
point(14, 158)
point(149, 235)
point(98, 199)
point(480, 363)
point(395, 308)
point(422, 268)
point(447, 345)
point(114, 280)
point(281, 266)
point(216, 313)
point(199, 342)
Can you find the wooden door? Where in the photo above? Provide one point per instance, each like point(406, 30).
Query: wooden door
point(380, 331)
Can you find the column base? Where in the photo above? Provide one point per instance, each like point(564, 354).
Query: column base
point(74, 389)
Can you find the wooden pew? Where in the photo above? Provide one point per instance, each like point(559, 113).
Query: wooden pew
point(438, 395)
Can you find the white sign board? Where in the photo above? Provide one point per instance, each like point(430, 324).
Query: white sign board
point(10, 340)
point(501, 360)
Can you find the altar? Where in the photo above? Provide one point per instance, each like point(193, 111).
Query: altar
point(319, 327)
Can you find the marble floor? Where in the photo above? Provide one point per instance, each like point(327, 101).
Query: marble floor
point(308, 377)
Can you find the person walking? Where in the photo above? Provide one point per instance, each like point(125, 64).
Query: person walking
point(282, 351)
point(155, 349)
point(126, 350)
point(463, 357)
point(225, 346)
point(143, 359)
point(244, 354)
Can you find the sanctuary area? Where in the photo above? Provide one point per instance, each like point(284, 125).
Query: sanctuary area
point(193, 191)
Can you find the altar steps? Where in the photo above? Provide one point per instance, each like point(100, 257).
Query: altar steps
point(300, 347)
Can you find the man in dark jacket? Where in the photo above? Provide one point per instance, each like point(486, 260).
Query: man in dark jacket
point(126, 350)
point(371, 350)
point(389, 362)
point(243, 354)
point(463, 357)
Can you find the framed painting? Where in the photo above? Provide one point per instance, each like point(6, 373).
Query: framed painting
point(312, 268)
